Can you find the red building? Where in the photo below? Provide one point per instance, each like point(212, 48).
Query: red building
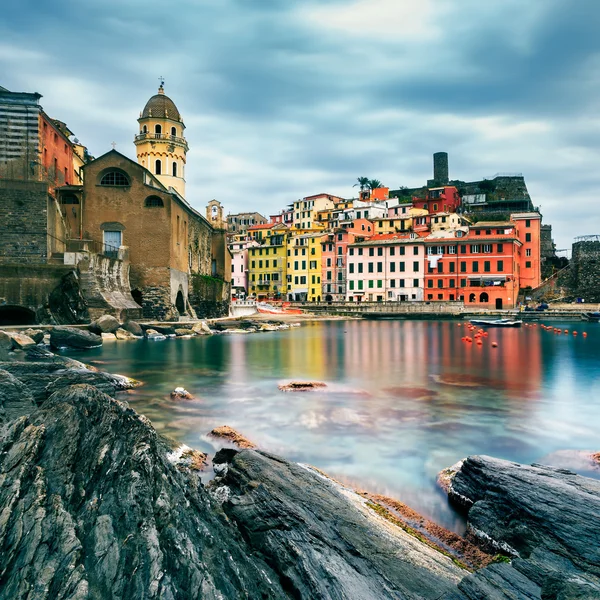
point(442, 199)
point(479, 265)
point(56, 152)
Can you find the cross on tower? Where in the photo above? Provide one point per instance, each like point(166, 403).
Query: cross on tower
point(113, 144)
point(162, 81)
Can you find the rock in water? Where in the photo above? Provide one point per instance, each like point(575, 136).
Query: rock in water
point(105, 324)
point(70, 337)
point(547, 519)
point(133, 328)
point(92, 508)
point(301, 386)
point(181, 393)
point(231, 435)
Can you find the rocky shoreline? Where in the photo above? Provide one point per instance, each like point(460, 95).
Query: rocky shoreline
point(95, 504)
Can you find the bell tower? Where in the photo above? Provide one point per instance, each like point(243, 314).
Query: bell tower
point(160, 144)
point(214, 214)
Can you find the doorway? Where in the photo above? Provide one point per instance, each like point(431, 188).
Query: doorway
point(180, 303)
point(498, 303)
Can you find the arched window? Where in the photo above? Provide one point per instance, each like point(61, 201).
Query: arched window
point(157, 129)
point(144, 129)
point(471, 297)
point(114, 178)
point(173, 131)
point(153, 201)
point(158, 167)
point(483, 297)
point(174, 169)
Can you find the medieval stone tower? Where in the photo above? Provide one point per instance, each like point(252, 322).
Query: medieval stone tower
point(160, 145)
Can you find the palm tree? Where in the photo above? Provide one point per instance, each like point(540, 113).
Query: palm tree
point(363, 183)
point(374, 184)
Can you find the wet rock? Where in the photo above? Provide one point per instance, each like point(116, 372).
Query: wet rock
point(231, 435)
point(324, 540)
point(44, 378)
point(105, 324)
point(37, 335)
point(445, 476)
point(181, 394)
point(152, 334)
point(133, 328)
point(88, 478)
point(185, 457)
point(6, 345)
point(163, 330)
point(202, 328)
point(15, 398)
point(21, 341)
point(184, 332)
point(301, 386)
point(123, 334)
point(70, 337)
point(547, 520)
point(108, 337)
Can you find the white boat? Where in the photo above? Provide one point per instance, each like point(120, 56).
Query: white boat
point(496, 323)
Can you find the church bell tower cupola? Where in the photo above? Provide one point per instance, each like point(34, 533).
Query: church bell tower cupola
point(160, 144)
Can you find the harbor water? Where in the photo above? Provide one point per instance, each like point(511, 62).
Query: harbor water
point(404, 399)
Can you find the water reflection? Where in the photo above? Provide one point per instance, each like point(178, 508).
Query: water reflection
point(404, 398)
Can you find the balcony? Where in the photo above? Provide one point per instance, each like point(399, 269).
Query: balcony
point(161, 136)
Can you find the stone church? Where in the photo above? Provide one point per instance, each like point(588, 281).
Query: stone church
point(137, 211)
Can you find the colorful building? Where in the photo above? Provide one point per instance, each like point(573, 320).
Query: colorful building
point(239, 266)
point(386, 267)
point(478, 265)
point(304, 267)
point(267, 268)
point(529, 234)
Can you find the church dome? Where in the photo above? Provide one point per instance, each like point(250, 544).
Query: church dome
point(162, 107)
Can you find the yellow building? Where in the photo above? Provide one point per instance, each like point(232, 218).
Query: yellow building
point(267, 268)
point(304, 267)
point(305, 211)
point(160, 145)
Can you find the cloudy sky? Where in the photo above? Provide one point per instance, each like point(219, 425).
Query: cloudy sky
point(288, 98)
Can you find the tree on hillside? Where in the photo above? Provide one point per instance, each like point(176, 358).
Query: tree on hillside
point(374, 184)
point(363, 183)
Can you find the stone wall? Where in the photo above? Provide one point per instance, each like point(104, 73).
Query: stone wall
point(50, 292)
point(23, 221)
point(585, 271)
point(210, 297)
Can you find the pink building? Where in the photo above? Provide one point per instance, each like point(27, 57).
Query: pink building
point(334, 258)
point(239, 267)
point(386, 267)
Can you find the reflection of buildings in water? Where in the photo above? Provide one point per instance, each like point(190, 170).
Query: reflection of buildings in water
point(392, 350)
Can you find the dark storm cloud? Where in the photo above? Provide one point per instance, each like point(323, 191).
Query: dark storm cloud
point(283, 99)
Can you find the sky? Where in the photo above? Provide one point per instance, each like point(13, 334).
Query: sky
point(286, 98)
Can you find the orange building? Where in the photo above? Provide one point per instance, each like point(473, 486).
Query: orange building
point(528, 232)
point(479, 265)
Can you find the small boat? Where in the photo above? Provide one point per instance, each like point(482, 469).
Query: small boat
point(594, 317)
point(496, 323)
point(269, 309)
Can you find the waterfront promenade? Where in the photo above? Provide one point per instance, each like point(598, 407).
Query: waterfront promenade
point(441, 310)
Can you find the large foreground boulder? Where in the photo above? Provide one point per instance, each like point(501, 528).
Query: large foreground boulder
point(70, 337)
point(323, 540)
point(92, 508)
point(547, 520)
